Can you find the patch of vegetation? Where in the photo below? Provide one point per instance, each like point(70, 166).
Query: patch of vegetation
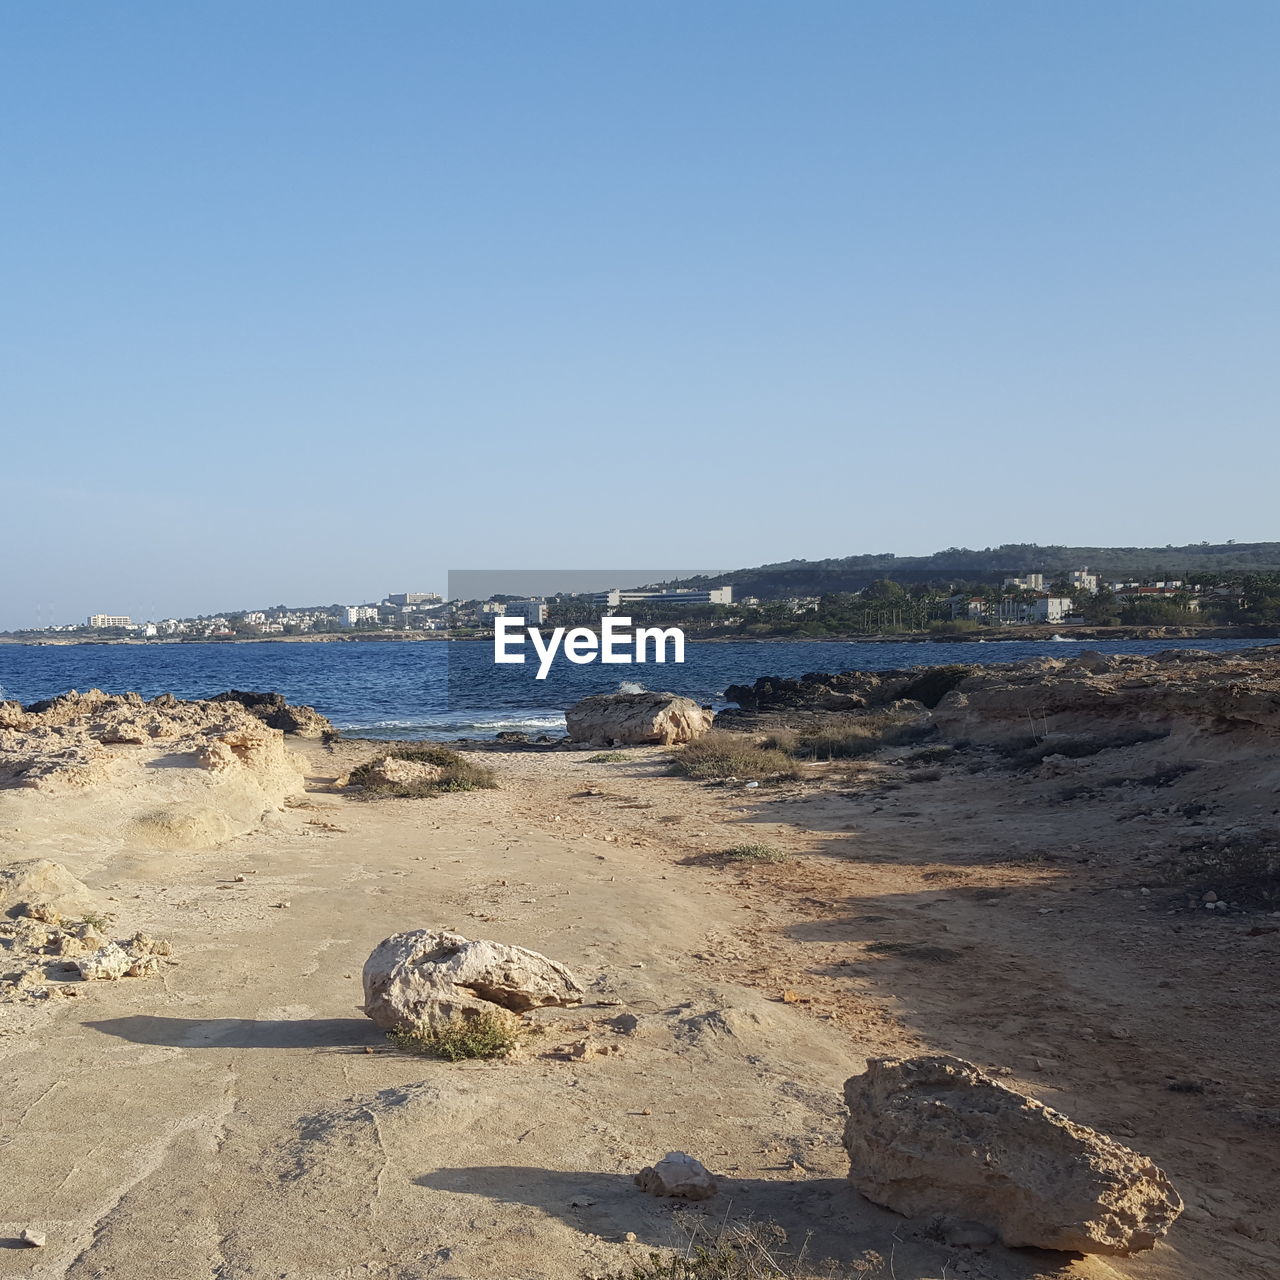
point(756, 853)
point(607, 757)
point(1241, 867)
point(457, 773)
point(929, 755)
point(487, 1035)
point(860, 735)
point(934, 685)
point(721, 754)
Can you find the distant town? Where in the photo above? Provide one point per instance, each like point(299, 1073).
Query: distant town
point(1066, 598)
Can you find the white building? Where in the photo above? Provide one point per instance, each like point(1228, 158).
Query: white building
point(353, 613)
point(109, 620)
point(715, 595)
point(414, 597)
point(1028, 582)
point(1050, 608)
point(1083, 580)
point(534, 612)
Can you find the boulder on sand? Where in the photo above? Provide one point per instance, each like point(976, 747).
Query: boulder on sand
point(935, 1135)
point(677, 1174)
point(427, 978)
point(636, 719)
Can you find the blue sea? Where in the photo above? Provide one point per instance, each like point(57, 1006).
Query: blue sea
point(442, 690)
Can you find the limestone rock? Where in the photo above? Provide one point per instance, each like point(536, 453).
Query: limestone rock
point(114, 961)
point(143, 944)
point(423, 978)
point(935, 1135)
point(627, 719)
point(272, 709)
point(109, 962)
point(392, 771)
point(677, 1174)
point(38, 887)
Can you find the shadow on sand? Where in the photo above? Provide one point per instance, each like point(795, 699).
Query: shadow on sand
point(824, 1217)
point(351, 1034)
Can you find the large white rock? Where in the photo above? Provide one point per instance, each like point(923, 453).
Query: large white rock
point(636, 719)
point(935, 1135)
point(677, 1174)
point(424, 978)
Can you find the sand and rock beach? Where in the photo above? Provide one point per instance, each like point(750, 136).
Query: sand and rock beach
point(1040, 899)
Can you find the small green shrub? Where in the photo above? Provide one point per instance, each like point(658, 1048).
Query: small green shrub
point(756, 853)
point(488, 1035)
point(457, 774)
point(607, 757)
point(720, 754)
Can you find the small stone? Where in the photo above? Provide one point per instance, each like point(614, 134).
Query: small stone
point(241, 879)
point(282, 906)
point(629, 1237)
point(33, 1239)
point(1209, 897)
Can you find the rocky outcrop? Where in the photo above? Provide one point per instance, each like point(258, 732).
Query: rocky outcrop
point(1142, 696)
point(1180, 687)
point(164, 772)
point(426, 978)
point(273, 710)
point(635, 719)
point(678, 1175)
point(113, 962)
point(51, 931)
point(39, 884)
point(935, 1135)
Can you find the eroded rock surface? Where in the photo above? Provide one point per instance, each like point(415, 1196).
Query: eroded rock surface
point(632, 719)
point(935, 1135)
point(39, 883)
point(424, 978)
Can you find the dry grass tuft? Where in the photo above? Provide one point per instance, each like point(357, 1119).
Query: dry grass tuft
point(720, 754)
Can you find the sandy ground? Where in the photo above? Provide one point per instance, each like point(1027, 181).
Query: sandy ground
point(238, 1117)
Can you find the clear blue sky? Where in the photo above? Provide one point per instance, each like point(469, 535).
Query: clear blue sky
point(308, 301)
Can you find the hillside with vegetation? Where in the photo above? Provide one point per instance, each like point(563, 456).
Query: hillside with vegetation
point(792, 578)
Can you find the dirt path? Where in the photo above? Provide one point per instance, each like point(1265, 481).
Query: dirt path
point(238, 1117)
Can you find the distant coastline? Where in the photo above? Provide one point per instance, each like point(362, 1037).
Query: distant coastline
point(991, 635)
